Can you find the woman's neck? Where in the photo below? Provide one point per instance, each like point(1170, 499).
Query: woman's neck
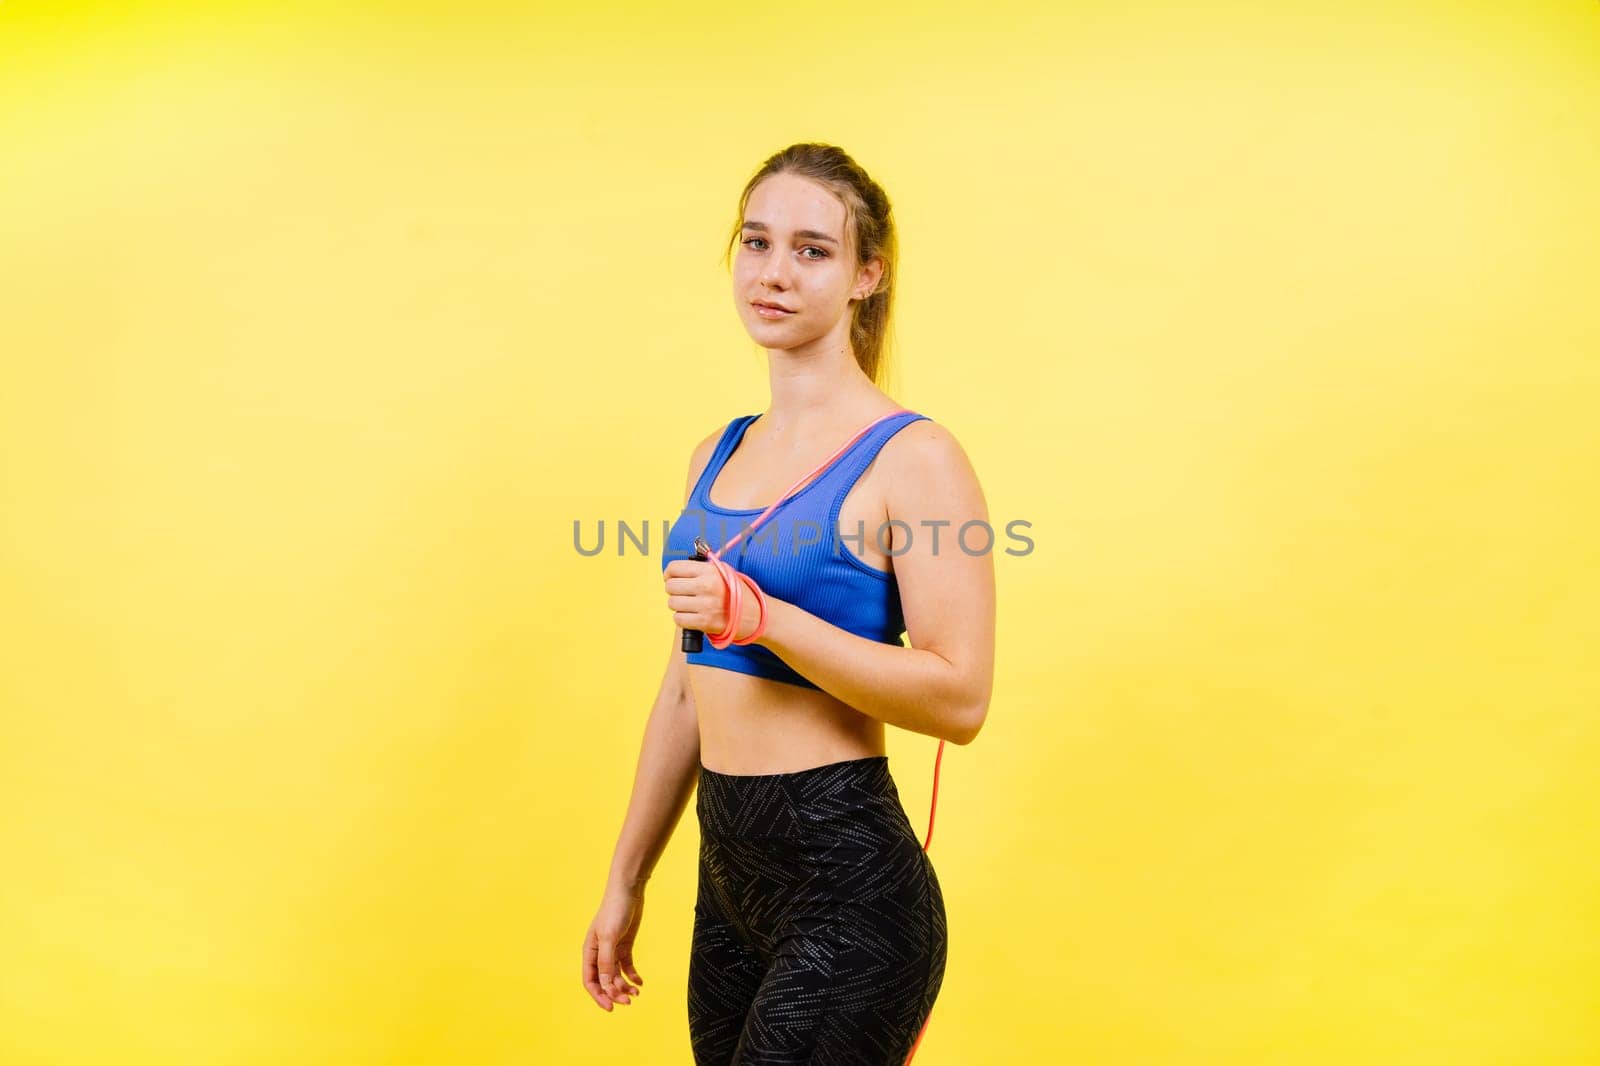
point(814, 395)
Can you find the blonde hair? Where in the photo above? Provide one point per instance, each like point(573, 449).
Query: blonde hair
point(869, 230)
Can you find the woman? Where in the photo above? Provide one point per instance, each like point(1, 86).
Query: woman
point(819, 928)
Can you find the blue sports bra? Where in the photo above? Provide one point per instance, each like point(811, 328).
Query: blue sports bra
point(798, 554)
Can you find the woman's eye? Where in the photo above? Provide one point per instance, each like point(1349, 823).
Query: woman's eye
point(822, 253)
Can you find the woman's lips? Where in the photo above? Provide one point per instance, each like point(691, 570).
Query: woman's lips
point(768, 311)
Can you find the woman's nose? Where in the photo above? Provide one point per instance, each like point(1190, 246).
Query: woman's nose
point(775, 271)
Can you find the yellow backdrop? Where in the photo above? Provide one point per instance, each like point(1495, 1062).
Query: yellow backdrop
point(322, 323)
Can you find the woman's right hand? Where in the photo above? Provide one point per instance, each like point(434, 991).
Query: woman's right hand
point(608, 948)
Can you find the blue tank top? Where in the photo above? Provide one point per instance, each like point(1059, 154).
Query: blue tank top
point(799, 554)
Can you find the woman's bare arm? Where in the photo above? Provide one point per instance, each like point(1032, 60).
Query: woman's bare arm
point(669, 761)
point(660, 791)
point(940, 685)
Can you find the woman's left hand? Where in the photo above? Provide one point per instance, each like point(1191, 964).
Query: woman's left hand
point(698, 599)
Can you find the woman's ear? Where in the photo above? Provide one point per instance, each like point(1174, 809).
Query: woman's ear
point(869, 274)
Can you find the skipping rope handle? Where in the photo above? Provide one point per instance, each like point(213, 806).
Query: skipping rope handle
point(693, 639)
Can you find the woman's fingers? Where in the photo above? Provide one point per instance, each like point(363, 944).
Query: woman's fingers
point(633, 974)
point(697, 612)
point(688, 585)
point(694, 601)
point(686, 603)
point(625, 964)
point(591, 978)
point(707, 583)
point(687, 570)
point(683, 584)
point(606, 960)
point(610, 979)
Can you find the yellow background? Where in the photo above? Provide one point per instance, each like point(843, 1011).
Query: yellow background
point(321, 323)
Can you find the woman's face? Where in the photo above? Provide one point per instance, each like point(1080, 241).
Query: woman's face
point(792, 255)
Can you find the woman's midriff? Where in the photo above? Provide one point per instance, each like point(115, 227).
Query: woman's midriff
point(751, 725)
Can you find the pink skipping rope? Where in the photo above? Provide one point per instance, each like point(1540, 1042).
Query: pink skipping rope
point(734, 584)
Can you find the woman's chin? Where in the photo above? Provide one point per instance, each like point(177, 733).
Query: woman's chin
point(765, 330)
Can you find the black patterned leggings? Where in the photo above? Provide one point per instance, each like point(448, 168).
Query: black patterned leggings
point(819, 926)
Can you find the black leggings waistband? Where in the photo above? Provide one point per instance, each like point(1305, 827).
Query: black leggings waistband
point(820, 804)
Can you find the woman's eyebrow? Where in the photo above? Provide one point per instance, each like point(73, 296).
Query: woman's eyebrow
point(809, 233)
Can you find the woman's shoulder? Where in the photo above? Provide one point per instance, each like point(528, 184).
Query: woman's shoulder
point(709, 442)
point(922, 450)
point(923, 437)
point(700, 455)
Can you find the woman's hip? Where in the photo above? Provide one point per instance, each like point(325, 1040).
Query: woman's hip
point(831, 844)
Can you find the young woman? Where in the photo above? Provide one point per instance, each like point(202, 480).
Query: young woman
point(819, 925)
